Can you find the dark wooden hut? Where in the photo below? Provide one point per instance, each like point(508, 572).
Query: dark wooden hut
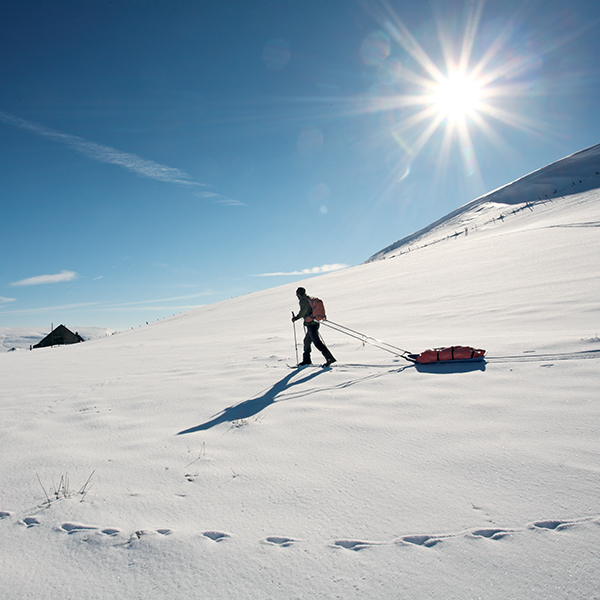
point(59, 336)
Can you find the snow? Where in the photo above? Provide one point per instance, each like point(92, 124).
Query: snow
point(198, 465)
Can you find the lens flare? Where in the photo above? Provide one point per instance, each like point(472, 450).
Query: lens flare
point(375, 48)
point(277, 54)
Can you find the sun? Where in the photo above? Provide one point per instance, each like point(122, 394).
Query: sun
point(457, 97)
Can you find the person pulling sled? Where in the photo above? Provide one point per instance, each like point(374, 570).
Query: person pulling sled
point(312, 311)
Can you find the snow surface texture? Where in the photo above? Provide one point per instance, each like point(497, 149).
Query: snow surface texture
point(185, 460)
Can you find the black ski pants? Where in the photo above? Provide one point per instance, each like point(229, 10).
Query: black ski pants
point(312, 337)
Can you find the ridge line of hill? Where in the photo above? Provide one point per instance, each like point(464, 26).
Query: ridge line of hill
point(572, 174)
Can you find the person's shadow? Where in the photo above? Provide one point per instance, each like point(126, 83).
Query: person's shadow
point(249, 408)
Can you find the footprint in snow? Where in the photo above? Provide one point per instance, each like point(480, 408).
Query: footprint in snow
point(30, 522)
point(354, 545)
point(556, 525)
point(140, 533)
point(282, 542)
point(4, 514)
point(71, 528)
point(492, 534)
point(216, 536)
point(420, 540)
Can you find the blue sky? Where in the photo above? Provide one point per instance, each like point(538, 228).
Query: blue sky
point(157, 155)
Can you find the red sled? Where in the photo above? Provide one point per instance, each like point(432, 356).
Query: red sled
point(446, 355)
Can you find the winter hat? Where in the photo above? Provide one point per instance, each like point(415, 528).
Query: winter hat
point(300, 291)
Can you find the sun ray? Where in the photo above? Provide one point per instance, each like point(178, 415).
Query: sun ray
point(402, 36)
point(460, 86)
point(527, 124)
point(471, 28)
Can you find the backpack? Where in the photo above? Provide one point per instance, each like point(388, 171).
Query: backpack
point(317, 310)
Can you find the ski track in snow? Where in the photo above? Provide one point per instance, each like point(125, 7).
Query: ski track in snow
point(531, 356)
point(86, 532)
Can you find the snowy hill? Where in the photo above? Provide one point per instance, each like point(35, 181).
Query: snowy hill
point(553, 184)
point(186, 460)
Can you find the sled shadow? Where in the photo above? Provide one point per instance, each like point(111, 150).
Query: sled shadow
point(250, 408)
point(452, 367)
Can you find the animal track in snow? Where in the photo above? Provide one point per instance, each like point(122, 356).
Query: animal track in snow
point(74, 528)
point(429, 541)
point(420, 540)
point(550, 526)
point(216, 536)
point(556, 525)
point(77, 528)
point(354, 545)
point(276, 540)
point(492, 534)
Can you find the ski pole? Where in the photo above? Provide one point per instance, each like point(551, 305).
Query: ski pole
point(295, 341)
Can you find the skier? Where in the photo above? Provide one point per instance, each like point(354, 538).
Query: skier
point(312, 331)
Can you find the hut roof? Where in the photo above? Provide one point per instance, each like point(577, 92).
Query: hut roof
point(59, 336)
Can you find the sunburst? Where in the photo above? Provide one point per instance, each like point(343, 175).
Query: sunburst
point(456, 94)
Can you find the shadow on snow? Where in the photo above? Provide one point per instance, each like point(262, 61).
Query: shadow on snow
point(249, 408)
point(252, 407)
point(456, 366)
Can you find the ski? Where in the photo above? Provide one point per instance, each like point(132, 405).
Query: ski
point(323, 366)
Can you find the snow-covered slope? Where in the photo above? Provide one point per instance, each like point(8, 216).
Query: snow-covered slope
point(200, 466)
point(553, 184)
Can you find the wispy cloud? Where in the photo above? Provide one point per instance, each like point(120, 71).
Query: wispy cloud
point(144, 303)
point(42, 309)
point(4, 300)
point(45, 279)
point(139, 305)
point(230, 202)
point(220, 199)
point(105, 154)
point(313, 271)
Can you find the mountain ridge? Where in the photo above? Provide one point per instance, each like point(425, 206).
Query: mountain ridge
point(573, 174)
